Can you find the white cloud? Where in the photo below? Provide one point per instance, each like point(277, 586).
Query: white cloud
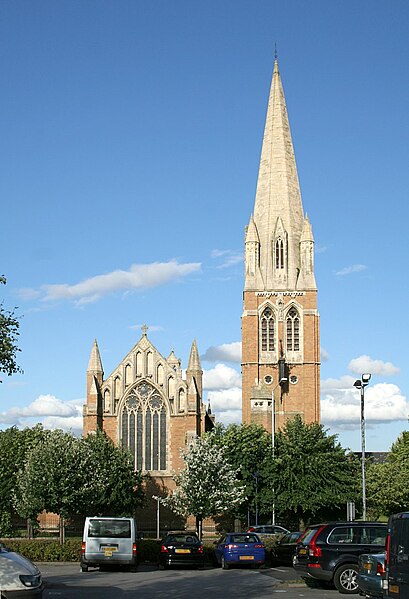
point(139, 276)
point(230, 352)
point(364, 364)
point(341, 404)
point(230, 257)
point(226, 405)
point(221, 377)
point(48, 410)
point(347, 270)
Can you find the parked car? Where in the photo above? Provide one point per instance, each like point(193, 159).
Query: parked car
point(19, 577)
point(268, 529)
point(330, 552)
point(397, 556)
point(240, 548)
point(371, 574)
point(181, 548)
point(109, 541)
point(283, 551)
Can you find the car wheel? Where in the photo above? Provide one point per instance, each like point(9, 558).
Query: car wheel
point(345, 579)
point(84, 568)
point(225, 565)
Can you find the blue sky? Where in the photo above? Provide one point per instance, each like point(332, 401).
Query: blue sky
point(129, 145)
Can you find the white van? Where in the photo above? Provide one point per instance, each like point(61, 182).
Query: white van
point(109, 541)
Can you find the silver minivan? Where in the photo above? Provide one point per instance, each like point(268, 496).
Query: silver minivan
point(109, 541)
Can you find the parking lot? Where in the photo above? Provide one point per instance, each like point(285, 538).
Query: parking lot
point(65, 581)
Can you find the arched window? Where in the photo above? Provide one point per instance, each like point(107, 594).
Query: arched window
point(279, 253)
point(144, 428)
point(293, 330)
point(267, 330)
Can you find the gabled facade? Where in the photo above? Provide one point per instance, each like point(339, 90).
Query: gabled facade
point(280, 321)
point(147, 406)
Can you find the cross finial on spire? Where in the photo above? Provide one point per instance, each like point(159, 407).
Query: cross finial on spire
point(144, 330)
point(275, 51)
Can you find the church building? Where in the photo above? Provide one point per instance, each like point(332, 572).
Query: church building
point(280, 321)
point(147, 406)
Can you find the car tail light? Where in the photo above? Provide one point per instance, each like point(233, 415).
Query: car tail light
point(231, 546)
point(134, 549)
point(251, 529)
point(200, 549)
point(313, 565)
point(259, 546)
point(387, 549)
point(83, 548)
point(313, 549)
point(164, 549)
point(380, 569)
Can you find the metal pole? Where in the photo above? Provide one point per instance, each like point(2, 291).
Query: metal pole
point(363, 451)
point(157, 518)
point(273, 432)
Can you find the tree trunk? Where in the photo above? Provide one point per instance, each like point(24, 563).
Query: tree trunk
point(62, 530)
point(199, 526)
point(29, 529)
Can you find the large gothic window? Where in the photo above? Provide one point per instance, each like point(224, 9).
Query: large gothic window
point(267, 330)
point(293, 330)
point(144, 427)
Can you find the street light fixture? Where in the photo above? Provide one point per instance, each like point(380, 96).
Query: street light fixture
point(361, 384)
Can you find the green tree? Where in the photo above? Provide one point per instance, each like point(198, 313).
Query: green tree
point(68, 476)
point(15, 444)
point(387, 488)
point(312, 475)
point(9, 332)
point(248, 449)
point(208, 485)
point(111, 486)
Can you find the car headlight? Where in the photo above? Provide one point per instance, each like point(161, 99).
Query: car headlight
point(30, 580)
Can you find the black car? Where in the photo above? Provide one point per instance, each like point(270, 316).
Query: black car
point(330, 552)
point(181, 548)
point(283, 551)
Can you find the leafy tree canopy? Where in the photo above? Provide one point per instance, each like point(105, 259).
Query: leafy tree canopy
point(312, 474)
point(208, 485)
point(9, 332)
point(67, 476)
point(387, 489)
point(248, 449)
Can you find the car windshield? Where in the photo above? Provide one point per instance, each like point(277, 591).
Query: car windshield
point(244, 538)
point(110, 528)
point(182, 538)
point(307, 536)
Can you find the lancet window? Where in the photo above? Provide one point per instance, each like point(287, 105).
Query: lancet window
point(267, 325)
point(144, 427)
point(293, 330)
point(279, 251)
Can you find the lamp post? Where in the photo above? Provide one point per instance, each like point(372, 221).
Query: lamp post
point(361, 384)
point(281, 382)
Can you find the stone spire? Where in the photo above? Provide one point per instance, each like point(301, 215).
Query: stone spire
point(95, 363)
point(194, 369)
point(278, 211)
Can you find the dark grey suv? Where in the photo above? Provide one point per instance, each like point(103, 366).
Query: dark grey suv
point(329, 552)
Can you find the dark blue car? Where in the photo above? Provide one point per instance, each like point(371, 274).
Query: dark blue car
point(238, 548)
point(371, 574)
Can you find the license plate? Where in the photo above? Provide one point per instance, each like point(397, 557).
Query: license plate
point(246, 556)
point(108, 551)
point(367, 566)
point(393, 588)
point(182, 550)
point(302, 552)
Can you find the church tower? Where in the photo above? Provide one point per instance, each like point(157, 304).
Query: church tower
point(280, 322)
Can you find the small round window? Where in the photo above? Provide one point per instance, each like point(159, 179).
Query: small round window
point(268, 379)
point(293, 379)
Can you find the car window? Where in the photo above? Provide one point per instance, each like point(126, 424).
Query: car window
point(344, 535)
point(374, 535)
point(244, 538)
point(286, 539)
point(110, 528)
point(307, 536)
point(182, 539)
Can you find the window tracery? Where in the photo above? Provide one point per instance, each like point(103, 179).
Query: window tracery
point(293, 330)
point(267, 322)
point(144, 427)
